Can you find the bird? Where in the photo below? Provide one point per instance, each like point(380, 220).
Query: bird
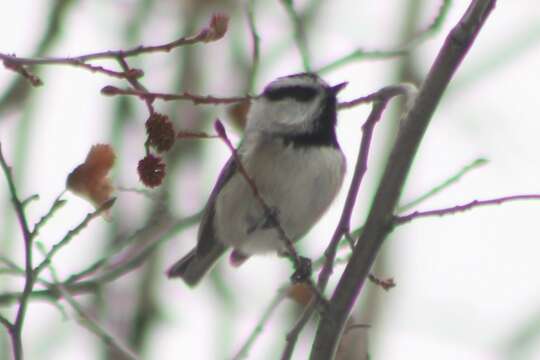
point(291, 152)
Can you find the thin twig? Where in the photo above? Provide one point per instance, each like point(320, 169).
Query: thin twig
point(300, 37)
point(110, 90)
point(75, 286)
point(407, 89)
point(214, 31)
point(276, 301)
point(255, 40)
point(401, 50)
point(86, 320)
point(29, 199)
point(7, 324)
point(449, 181)
point(17, 91)
point(398, 220)
point(72, 233)
point(183, 134)
point(269, 213)
point(134, 81)
point(57, 204)
point(16, 329)
point(379, 221)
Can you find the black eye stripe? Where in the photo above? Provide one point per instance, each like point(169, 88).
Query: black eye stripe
point(299, 93)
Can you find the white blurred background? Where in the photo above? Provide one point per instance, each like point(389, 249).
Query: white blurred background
point(467, 284)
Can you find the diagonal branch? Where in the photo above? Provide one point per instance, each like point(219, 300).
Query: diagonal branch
point(296, 259)
point(379, 221)
point(380, 99)
point(71, 234)
point(300, 36)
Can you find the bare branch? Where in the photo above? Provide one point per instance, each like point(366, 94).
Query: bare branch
point(398, 220)
point(196, 99)
point(95, 327)
point(380, 100)
point(57, 205)
point(379, 220)
point(72, 233)
point(16, 329)
point(214, 31)
point(406, 89)
point(276, 301)
point(114, 271)
point(437, 189)
point(362, 54)
point(255, 40)
point(300, 37)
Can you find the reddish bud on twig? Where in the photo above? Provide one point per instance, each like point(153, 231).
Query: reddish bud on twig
point(134, 73)
point(151, 170)
point(23, 71)
point(216, 29)
point(220, 129)
point(160, 132)
point(110, 90)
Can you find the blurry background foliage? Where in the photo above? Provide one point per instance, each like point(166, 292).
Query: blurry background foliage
point(466, 285)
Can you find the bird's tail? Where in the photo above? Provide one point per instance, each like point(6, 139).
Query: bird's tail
point(192, 267)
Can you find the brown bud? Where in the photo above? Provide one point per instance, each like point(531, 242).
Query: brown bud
point(110, 90)
point(216, 29)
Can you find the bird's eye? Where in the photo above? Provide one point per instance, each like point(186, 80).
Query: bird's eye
point(298, 93)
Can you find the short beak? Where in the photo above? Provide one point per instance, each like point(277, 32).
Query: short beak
point(337, 88)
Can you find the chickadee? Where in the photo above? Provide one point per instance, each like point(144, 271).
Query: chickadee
point(291, 152)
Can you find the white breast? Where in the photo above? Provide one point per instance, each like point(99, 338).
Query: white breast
point(299, 182)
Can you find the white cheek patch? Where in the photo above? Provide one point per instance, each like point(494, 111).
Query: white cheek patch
point(283, 116)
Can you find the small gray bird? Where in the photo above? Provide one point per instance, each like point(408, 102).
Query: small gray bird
point(291, 152)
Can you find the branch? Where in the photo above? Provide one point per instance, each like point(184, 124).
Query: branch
point(398, 220)
point(437, 189)
point(18, 90)
point(85, 319)
point(71, 234)
point(16, 328)
point(57, 205)
point(214, 31)
point(244, 351)
point(378, 224)
point(300, 37)
point(121, 268)
point(404, 49)
point(255, 39)
point(407, 89)
point(7, 324)
point(151, 96)
point(380, 100)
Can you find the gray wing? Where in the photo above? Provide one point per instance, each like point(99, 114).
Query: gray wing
point(206, 236)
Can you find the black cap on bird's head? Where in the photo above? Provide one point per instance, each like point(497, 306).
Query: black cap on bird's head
point(301, 87)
